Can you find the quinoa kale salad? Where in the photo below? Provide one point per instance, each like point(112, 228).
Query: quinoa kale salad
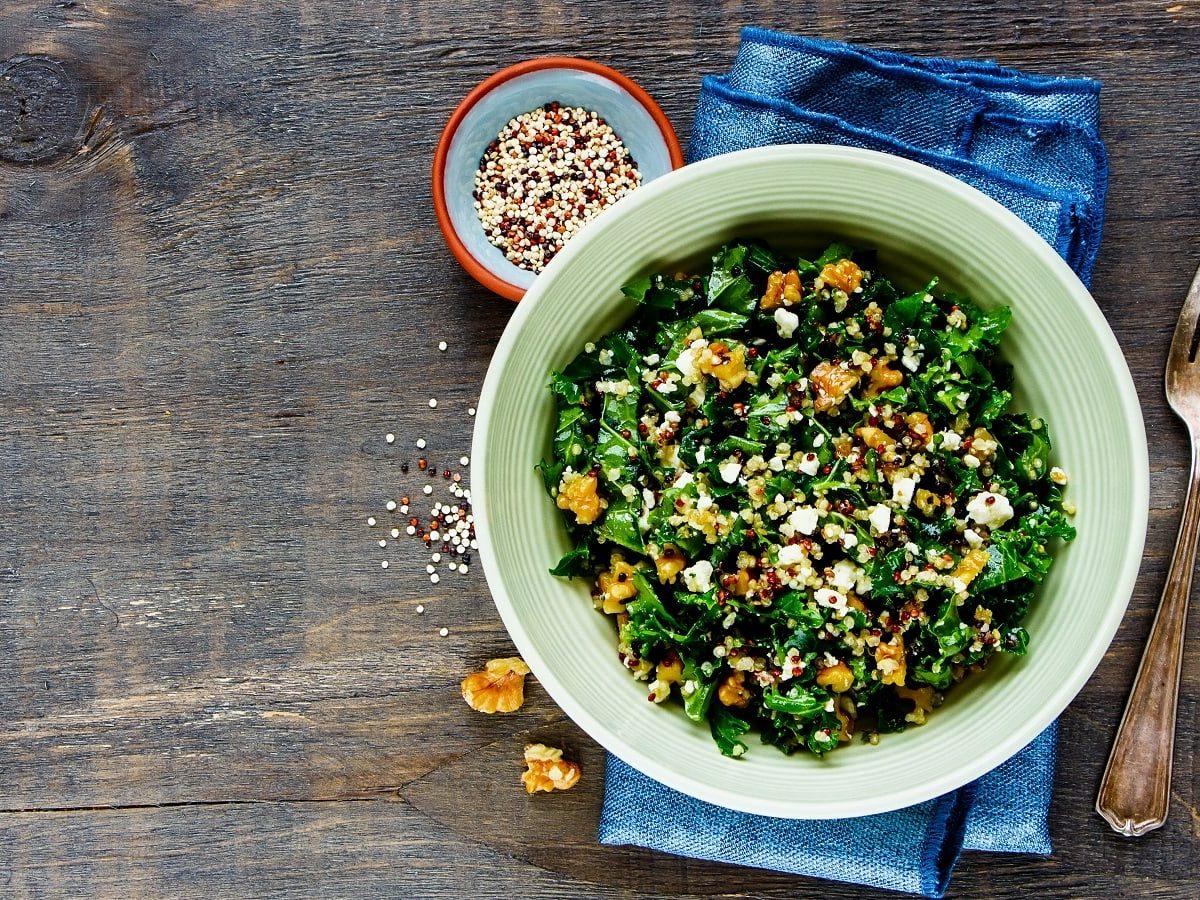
point(801, 495)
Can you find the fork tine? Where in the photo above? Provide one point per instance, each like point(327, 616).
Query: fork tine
point(1187, 329)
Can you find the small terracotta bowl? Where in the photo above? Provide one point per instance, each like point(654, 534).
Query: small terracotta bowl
point(631, 112)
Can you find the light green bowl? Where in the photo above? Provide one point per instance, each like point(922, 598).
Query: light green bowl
point(1069, 369)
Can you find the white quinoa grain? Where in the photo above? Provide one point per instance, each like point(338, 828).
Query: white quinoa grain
point(420, 609)
point(390, 438)
point(464, 460)
point(391, 505)
point(370, 521)
point(420, 443)
point(471, 411)
point(443, 632)
point(442, 346)
point(384, 564)
point(432, 403)
point(434, 577)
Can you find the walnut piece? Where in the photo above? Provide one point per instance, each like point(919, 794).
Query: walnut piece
point(845, 275)
point(732, 691)
point(838, 677)
point(830, 383)
point(500, 687)
point(579, 492)
point(546, 770)
point(726, 364)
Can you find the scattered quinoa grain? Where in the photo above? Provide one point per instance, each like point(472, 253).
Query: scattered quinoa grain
point(442, 346)
point(443, 632)
point(390, 438)
point(432, 403)
point(391, 505)
point(384, 564)
point(371, 522)
point(420, 443)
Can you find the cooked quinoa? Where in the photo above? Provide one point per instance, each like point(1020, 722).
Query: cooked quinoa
point(801, 496)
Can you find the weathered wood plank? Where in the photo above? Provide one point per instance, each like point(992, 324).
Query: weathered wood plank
point(210, 317)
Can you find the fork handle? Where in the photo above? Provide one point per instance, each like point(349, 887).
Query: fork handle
point(1136, 785)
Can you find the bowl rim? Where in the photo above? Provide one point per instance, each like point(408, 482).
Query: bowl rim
point(1056, 699)
point(466, 259)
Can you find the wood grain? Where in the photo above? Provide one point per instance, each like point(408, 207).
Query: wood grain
point(212, 308)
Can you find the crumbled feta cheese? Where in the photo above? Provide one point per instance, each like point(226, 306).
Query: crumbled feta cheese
point(971, 461)
point(697, 577)
point(902, 491)
point(803, 520)
point(849, 540)
point(845, 574)
point(951, 440)
point(605, 357)
point(880, 518)
point(810, 464)
point(730, 470)
point(701, 454)
point(791, 554)
point(687, 363)
point(973, 538)
point(831, 598)
point(785, 322)
point(910, 360)
point(989, 509)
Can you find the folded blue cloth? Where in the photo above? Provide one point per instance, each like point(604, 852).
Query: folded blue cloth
point(1029, 142)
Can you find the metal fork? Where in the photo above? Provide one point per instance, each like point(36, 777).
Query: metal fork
point(1136, 786)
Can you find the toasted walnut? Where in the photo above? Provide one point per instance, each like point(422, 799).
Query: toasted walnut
point(791, 288)
point(838, 677)
point(845, 275)
point(732, 691)
point(831, 383)
point(922, 699)
point(919, 427)
point(846, 714)
point(547, 770)
point(889, 659)
point(875, 438)
point(738, 583)
point(670, 563)
point(971, 565)
point(922, 696)
point(670, 669)
point(616, 585)
point(500, 687)
point(883, 378)
point(727, 365)
point(773, 295)
point(580, 493)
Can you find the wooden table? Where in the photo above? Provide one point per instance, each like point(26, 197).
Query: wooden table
point(221, 284)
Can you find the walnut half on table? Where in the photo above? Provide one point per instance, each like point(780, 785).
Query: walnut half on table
point(547, 770)
point(500, 687)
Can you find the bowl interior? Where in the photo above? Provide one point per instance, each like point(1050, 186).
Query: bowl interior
point(923, 223)
point(479, 127)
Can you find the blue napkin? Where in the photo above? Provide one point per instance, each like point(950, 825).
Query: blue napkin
point(1031, 143)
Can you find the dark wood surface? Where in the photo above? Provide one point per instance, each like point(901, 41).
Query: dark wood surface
point(221, 284)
